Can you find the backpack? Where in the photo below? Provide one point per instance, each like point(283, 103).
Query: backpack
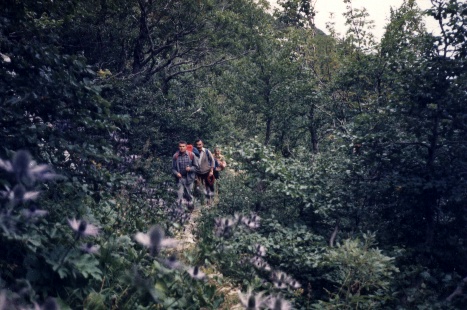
point(216, 163)
point(190, 154)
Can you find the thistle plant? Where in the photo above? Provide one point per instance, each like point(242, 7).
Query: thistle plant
point(224, 227)
point(172, 262)
point(251, 301)
point(278, 303)
point(71, 257)
point(281, 280)
point(90, 248)
point(83, 229)
point(19, 222)
point(154, 240)
point(196, 273)
point(21, 176)
point(259, 263)
point(260, 250)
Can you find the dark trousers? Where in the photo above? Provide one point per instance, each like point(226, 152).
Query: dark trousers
point(185, 191)
point(202, 180)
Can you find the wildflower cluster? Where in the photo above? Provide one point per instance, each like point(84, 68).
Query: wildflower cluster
point(155, 241)
point(280, 280)
point(224, 227)
point(251, 301)
point(19, 212)
point(18, 195)
point(74, 255)
point(84, 229)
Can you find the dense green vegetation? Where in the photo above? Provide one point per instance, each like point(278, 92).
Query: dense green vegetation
point(352, 152)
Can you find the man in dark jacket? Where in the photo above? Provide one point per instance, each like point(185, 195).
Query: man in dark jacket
point(184, 166)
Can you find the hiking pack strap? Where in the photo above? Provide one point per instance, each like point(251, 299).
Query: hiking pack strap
point(190, 154)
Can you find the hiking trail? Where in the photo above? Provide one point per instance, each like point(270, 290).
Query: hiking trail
point(187, 243)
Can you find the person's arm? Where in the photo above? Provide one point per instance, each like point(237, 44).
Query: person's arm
point(175, 168)
point(222, 162)
point(194, 164)
point(211, 161)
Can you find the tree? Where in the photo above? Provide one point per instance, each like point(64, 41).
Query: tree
point(51, 102)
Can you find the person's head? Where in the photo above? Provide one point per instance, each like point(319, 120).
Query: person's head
point(217, 151)
point(182, 146)
point(199, 144)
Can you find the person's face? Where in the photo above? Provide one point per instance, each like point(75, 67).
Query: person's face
point(199, 145)
point(217, 152)
point(182, 147)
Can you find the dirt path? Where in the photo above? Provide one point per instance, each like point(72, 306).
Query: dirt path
point(186, 239)
point(187, 243)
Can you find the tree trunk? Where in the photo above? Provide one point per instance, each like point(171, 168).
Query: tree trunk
point(268, 131)
point(312, 129)
point(431, 196)
point(138, 52)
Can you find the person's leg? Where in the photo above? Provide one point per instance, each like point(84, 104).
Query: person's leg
point(201, 185)
point(198, 186)
point(180, 191)
point(189, 195)
point(210, 191)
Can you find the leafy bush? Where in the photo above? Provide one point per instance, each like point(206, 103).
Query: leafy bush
point(84, 261)
point(361, 275)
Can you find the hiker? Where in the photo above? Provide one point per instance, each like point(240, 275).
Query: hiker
point(220, 162)
point(184, 166)
point(205, 171)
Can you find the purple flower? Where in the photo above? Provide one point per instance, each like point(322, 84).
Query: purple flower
point(251, 222)
point(83, 229)
point(278, 303)
point(260, 263)
point(21, 162)
point(19, 194)
point(196, 273)
point(251, 301)
point(43, 172)
point(3, 299)
point(33, 212)
point(280, 279)
point(223, 227)
point(26, 170)
point(6, 165)
point(260, 250)
point(155, 240)
point(294, 283)
point(238, 218)
point(90, 248)
point(172, 262)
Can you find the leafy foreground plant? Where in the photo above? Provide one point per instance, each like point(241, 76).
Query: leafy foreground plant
point(288, 263)
point(81, 263)
point(361, 274)
point(229, 234)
